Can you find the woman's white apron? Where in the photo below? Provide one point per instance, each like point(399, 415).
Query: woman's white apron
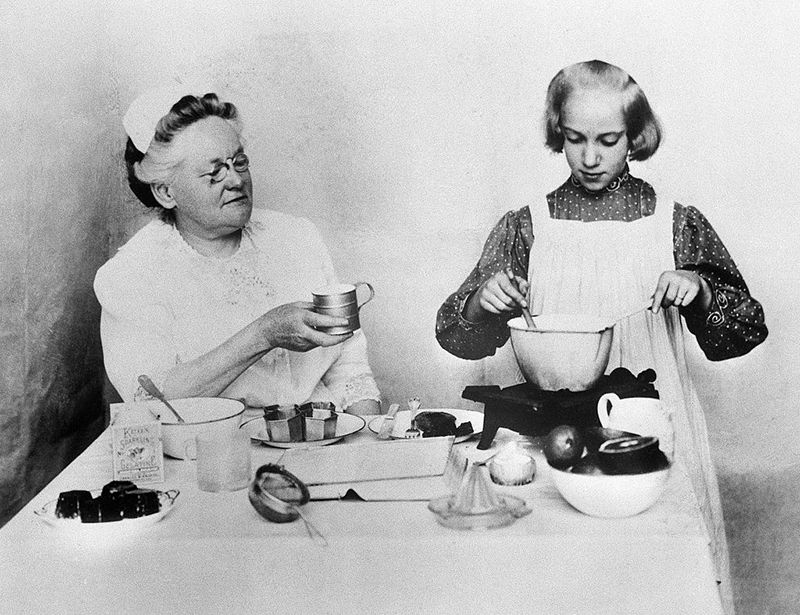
point(611, 268)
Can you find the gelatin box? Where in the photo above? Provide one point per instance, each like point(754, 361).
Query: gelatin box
point(136, 444)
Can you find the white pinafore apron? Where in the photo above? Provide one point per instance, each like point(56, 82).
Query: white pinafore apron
point(611, 268)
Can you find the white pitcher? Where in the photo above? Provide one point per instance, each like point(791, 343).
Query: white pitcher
point(645, 416)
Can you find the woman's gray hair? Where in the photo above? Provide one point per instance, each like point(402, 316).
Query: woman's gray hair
point(158, 164)
point(643, 127)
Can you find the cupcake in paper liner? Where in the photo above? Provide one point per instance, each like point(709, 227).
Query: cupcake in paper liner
point(512, 466)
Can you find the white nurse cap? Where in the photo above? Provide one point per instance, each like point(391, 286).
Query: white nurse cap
point(148, 108)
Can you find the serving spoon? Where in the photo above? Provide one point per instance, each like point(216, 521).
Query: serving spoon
point(149, 386)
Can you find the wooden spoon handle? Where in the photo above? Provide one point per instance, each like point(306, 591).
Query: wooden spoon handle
point(526, 313)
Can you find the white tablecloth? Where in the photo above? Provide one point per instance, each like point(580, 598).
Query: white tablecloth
point(214, 554)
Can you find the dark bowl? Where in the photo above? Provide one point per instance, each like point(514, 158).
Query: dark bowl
point(631, 455)
point(594, 436)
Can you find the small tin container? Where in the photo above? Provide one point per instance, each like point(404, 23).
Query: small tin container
point(284, 424)
point(341, 300)
point(320, 420)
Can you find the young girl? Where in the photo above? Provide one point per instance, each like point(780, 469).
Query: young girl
point(605, 242)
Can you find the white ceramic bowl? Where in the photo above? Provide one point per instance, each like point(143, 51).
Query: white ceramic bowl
point(202, 414)
point(605, 495)
point(565, 351)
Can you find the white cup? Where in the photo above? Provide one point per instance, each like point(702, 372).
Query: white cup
point(223, 460)
point(645, 416)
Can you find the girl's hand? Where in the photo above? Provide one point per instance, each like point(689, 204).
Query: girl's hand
point(503, 292)
point(680, 288)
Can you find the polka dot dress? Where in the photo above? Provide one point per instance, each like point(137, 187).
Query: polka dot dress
point(732, 326)
point(626, 199)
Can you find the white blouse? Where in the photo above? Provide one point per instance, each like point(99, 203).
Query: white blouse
point(163, 303)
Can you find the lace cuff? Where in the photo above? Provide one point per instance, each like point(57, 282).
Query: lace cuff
point(358, 388)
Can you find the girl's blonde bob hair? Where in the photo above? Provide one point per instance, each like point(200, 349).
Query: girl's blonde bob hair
point(643, 127)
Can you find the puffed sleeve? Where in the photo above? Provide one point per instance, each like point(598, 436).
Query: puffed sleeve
point(734, 324)
point(349, 378)
point(508, 245)
point(135, 327)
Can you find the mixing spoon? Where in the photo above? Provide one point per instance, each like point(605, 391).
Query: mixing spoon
point(149, 386)
point(526, 314)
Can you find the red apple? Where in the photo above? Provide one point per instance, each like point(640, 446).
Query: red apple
point(563, 446)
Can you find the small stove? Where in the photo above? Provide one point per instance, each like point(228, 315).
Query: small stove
point(534, 412)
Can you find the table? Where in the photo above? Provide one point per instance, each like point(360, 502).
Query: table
point(214, 554)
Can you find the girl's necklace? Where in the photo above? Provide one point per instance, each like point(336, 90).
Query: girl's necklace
point(613, 186)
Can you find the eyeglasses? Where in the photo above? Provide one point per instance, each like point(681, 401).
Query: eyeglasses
point(240, 163)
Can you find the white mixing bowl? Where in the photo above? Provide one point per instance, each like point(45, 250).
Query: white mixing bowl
point(202, 414)
point(565, 351)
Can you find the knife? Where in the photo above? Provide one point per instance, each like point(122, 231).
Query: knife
point(385, 432)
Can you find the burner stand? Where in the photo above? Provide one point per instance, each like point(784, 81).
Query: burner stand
point(534, 412)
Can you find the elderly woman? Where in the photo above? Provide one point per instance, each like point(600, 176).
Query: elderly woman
point(210, 298)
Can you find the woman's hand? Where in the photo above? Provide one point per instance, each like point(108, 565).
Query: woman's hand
point(680, 288)
point(503, 292)
point(293, 326)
